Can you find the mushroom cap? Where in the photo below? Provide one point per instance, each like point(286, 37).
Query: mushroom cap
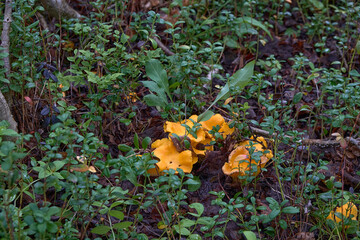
point(215, 120)
point(239, 159)
point(170, 158)
point(176, 128)
point(347, 209)
point(258, 146)
point(203, 137)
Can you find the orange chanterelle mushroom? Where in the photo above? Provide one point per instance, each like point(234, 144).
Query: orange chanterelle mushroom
point(347, 210)
point(203, 137)
point(170, 158)
point(240, 162)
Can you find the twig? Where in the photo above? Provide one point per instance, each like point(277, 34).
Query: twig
point(163, 47)
point(318, 142)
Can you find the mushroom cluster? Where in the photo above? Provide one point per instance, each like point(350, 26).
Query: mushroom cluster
point(173, 151)
point(241, 163)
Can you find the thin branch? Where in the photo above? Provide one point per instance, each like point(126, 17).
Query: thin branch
point(163, 47)
point(318, 142)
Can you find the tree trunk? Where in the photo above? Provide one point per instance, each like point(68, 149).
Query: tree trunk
point(5, 113)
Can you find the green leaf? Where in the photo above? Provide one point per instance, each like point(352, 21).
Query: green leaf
point(41, 227)
point(145, 142)
point(272, 201)
point(152, 86)
point(230, 42)
point(118, 214)
point(153, 43)
point(156, 72)
point(283, 224)
point(243, 76)
point(249, 235)
point(297, 97)
point(9, 132)
point(122, 225)
point(198, 207)
point(153, 100)
point(136, 141)
point(101, 230)
point(194, 237)
point(290, 210)
point(205, 116)
point(255, 23)
point(124, 148)
point(193, 184)
point(117, 203)
point(317, 4)
point(58, 164)
point(182, 230)
point(187, 223)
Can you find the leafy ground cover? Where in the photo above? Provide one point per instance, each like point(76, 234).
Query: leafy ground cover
point(183, 120)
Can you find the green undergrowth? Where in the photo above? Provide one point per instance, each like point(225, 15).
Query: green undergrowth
point(68, 174)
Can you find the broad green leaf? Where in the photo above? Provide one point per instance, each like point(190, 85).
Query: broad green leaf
point(297, 97)
point(9, 132)
point(193, 184)
point(290, 210)
point(272, 201)
point(317, 4)
point(187, 223)
point(199, 208)
point(156, 72)
point(230, 42)
point(205, 116)
point(101, 230)
point(117, 203)
point(117, 214)
point(283, 224)
point(58, 164)
point(153, 100)
point(255, 23)
point(182, 230)
point(122, 225)
point(124, 148)
point(153, 86)
point(274, 213)
point(194, 237)
point(145, 142)
point(243, 76)
point(249, 235)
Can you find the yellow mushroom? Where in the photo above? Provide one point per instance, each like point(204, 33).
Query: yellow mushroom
point(240, 163)
point(201, 143)
point(170, 158)
point(217, 120)
point(346, 210)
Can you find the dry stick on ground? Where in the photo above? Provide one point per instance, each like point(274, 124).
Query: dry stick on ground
point(5, 113)
point(163, 47)
point(317, 142)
